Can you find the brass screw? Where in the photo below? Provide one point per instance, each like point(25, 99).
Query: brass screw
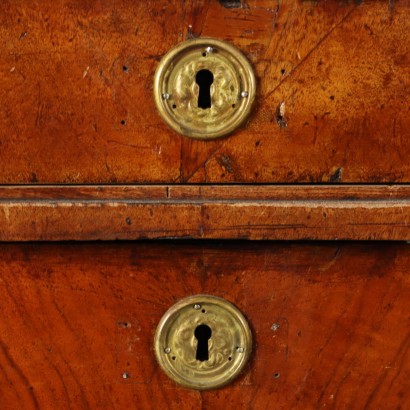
point(167, 350)
point(197, 307)
point(166, 96)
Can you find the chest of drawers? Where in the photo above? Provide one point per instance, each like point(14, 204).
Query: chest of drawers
point(300, 217)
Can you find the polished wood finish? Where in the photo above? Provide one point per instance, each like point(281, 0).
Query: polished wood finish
point(75, 317)
point(77, 106)
point(225, 212)
point(85, 156)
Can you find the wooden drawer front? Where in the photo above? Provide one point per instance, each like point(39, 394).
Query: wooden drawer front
point(75, 317)
point(77, 107)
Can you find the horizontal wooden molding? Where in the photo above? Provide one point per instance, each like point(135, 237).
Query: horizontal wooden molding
point(282, 212)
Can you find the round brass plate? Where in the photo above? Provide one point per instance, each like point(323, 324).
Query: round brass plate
point(177, 90)
point(229, 345)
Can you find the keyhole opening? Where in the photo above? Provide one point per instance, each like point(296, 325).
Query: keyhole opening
point(202, 333)
point(204, 78)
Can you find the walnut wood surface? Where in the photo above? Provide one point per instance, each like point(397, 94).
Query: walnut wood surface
point(75, 317)
point(77, 107)
point(225, 212)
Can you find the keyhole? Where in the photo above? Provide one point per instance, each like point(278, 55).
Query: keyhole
point(203, 334)
point(204, 78)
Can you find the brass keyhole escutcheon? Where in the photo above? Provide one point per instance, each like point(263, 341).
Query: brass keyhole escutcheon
point(204, 88)
point(203, 342)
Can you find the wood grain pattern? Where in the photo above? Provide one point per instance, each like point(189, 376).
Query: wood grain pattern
point(77, 107)
point(200, 192)
point(75, 317)
point(223, 212)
